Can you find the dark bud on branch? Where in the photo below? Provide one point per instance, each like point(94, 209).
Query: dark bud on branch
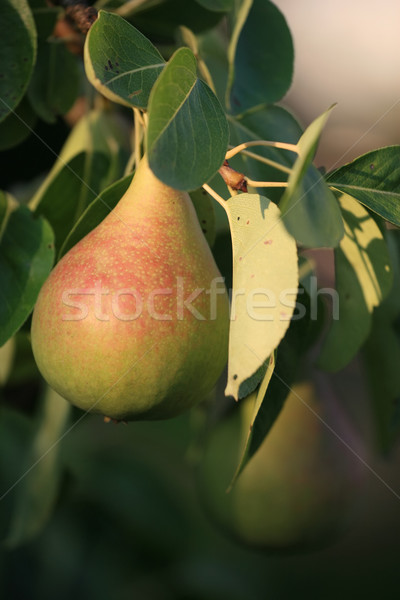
point(232, 178)
point(79, 13)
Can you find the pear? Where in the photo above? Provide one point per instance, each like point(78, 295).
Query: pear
point(133, 321)
point(300, 489)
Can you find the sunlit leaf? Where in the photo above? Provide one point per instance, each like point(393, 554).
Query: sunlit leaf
point(257, 399)
point(374, 180)
point(363, 279)
point(309, 209)
point(265, 283)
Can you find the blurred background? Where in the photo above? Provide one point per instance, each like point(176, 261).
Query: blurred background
point(349, 53)
point(127, 523)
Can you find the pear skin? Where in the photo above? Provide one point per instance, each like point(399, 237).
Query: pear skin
point(298, 492)
point(133, 321)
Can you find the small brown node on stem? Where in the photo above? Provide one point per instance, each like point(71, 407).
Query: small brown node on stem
point(232, 178)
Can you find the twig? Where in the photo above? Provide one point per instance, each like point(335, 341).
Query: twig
point(265, 184)
point(214, 194)
point(267, 161)
point(241, 147)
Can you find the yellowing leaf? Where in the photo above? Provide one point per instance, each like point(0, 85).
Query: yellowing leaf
point(265, 284)
point(363, 280)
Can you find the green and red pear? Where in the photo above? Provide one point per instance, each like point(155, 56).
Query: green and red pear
point(133, 321)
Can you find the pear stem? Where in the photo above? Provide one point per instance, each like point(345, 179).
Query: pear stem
point(214, 194)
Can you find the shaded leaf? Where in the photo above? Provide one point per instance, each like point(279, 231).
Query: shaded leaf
point(45, 17)
point(381, 354)
point(90, 159)
point(186, 125)
point(288, 363)
point(260, 55)
point(309, 209)
point(363, 279)
point(7, 205)
point(160, 19)
point(97, 131)
point(121, 62)
point(374, 180)
point(18, 125)
point(15, 432)
point(217, 5)
point(96, 212)
point(55, 81)
point(37, 491)
point(26, 257)
point(71, 191)
point(17, 52)
point(267, 122)
point(265, 282)
point(7, 352)
point(204, 207)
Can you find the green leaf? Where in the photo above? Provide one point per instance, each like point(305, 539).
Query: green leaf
point(97, 131)
point(37, 491)
point(159, 19)
point(260, 56)
point(26, 257)
point(265, 283)
point(267, 122)
point(187, 135)
point(71, 191)
point(363, 279)
point(18, 125)
point(374, 180)
point(7, 353)
point(7, 205)
point(204, 207)
point(120, 62)
point(90, 159)
point(381, 355)
point(45, 17)
point(55, 81)
point(96, 212)
point(217, 5)
point(309, 209)
point(17, 53)
point(256, 400)
point(15, 431)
